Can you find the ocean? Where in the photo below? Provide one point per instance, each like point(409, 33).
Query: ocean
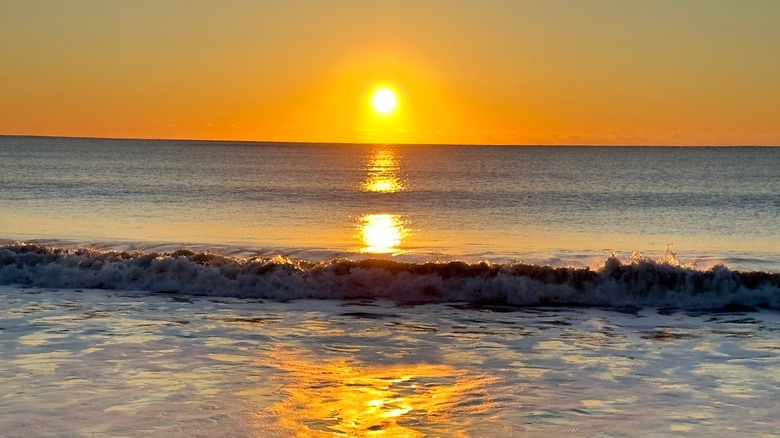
point(193, 288)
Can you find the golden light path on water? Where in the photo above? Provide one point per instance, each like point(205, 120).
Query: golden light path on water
point(383, 172)
point(343, 397)
point(382, 233)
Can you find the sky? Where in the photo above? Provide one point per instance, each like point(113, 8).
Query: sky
point(598, 72)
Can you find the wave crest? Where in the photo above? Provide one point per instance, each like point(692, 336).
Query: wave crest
point(638, 283)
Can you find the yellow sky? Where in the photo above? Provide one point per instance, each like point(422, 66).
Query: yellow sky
point(496, 72)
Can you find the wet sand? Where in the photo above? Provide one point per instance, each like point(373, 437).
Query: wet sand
point(123, 363)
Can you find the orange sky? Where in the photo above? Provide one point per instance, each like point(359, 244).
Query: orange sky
point(495, 72)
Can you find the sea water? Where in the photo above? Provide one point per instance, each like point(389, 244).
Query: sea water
point(180, 288)
point(564, 206)
point(81, 362)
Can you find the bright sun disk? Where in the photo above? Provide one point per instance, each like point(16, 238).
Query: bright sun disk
point(384, 101)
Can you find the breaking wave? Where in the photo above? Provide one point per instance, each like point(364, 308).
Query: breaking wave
point(636, 283)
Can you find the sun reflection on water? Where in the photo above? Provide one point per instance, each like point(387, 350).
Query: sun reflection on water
point(383, 172)
point(382, 233)
point(346, 398)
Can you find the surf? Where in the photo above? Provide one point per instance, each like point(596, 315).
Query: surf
point(638, 282)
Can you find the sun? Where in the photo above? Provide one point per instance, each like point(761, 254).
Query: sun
point(384, 101)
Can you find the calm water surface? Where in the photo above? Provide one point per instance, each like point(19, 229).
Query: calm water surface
point(566, 205)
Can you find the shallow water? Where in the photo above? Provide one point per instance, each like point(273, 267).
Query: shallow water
point(122, 363)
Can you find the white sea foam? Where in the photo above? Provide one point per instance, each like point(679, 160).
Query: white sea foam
point(81, 362)
point(640, 282)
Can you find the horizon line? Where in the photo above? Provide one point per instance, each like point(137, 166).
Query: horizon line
point(335, 143)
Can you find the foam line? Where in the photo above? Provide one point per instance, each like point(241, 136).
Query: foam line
point(638, 283)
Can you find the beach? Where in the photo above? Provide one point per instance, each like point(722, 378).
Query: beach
point(123, 363)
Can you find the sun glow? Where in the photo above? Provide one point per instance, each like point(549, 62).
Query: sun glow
point(384, 101)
